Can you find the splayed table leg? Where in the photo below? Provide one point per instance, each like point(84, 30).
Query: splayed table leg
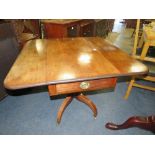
point(80, 97)
point(147, 123)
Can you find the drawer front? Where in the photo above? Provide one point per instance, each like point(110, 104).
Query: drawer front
point(74, 87)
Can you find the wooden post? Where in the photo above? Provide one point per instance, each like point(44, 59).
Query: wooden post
point(136, 38)
point(129, 88)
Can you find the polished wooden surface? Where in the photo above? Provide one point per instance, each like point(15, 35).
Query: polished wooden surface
point(55, 61)
point(75, 87)
point(147, 123)
point(62, 108)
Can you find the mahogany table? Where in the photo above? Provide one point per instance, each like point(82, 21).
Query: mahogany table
point(71, 66)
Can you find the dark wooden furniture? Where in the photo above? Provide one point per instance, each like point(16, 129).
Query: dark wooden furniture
point(147, 123)
point(130, 23)
point(87, 28)
point(71, 66)
point(103, 27)
point(61, 28)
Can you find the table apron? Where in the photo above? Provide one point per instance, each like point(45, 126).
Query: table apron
point(75, 87)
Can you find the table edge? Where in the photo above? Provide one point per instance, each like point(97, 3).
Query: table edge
point(74, 80)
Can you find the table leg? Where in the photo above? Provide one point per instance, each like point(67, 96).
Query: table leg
point(82, 98)
point(62, 108)
point(147, 123)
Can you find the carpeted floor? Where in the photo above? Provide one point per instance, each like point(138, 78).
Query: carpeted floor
point(33, 112)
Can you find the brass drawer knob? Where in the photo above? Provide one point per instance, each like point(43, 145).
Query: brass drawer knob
point(84, 85)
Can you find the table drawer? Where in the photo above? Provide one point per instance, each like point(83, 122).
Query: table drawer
point(74, 87)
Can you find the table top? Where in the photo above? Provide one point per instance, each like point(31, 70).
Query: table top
point(54, 61)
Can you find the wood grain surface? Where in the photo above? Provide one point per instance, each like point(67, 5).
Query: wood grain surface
point(55, 61)
point(74, 87)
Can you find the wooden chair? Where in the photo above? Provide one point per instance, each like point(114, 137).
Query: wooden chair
point(147, 56)
point(142, 22)
point(144, 122)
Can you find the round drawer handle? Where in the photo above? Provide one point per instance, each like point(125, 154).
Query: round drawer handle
point(84, 85)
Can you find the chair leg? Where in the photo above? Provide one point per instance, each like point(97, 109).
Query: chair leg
point(129, 88)
point(144, 51)
point(141, 41)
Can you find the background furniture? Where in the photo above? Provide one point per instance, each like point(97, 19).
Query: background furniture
point(131, 23)
point(147, 122)
point(103, 27)
point(87, 28)
point(59, 28)
point(149, 40)
point(71, 66)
